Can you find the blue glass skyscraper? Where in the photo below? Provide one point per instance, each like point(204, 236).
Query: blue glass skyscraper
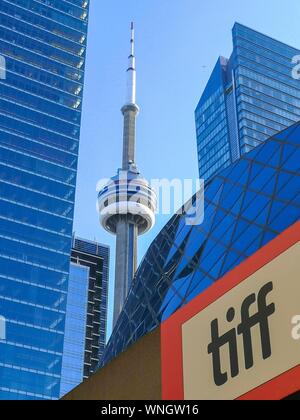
point(43, 45)
point(248, 98)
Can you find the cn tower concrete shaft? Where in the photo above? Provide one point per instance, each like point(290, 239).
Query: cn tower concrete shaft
point(130, 113)
point(126, 263)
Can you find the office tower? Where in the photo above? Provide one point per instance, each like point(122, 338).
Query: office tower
point(248, 98)
point(75, 329)
point(43, 46)
point(127, 204)
point(247, 205)
point(86, 314)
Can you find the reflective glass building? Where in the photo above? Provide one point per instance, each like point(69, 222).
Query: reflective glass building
point(246, 206)
point(95, 257)
point(43, 45)
point(86, 314)
point(75, 327)
point(248, 98)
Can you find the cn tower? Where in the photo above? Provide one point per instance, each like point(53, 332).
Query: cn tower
point(127, 204)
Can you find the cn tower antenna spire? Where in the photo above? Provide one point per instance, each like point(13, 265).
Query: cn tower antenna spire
point(132, 38)
point(130, 110)
point(131, 71)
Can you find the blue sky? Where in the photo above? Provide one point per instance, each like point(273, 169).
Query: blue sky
point(177, 45)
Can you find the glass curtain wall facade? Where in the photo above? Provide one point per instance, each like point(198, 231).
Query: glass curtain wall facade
point(75, 326)
point(246, 206)
point(248, 98)
point(43, 46)
point(91, 259)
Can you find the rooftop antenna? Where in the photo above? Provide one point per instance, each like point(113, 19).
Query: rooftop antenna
point(131, 71)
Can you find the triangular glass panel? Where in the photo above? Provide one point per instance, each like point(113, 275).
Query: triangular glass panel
point(258, 210)
point(269, 153)
point(200, 287)
point(213, 189)
point(233, 198)
point(248, 237)
point(210, 260)
point(195, 241)
point(233, 259)
point(283, 217)
point(209, 214)
point(288, 185)
point(181, 286)
point(263, 180)
point(224, 228)
point(240, 172)
point(291, 159)
point(215, 270)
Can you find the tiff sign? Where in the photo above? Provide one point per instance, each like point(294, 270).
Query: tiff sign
point(259, 319)
point(245, 336)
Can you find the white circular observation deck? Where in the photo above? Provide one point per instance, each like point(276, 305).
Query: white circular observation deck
point(129, 198)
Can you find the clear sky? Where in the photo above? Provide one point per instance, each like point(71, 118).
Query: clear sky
point(177, 45)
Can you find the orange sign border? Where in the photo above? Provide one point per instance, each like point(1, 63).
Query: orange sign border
point(171, 330)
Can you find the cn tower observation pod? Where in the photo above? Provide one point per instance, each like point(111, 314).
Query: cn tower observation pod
point(128, 197)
